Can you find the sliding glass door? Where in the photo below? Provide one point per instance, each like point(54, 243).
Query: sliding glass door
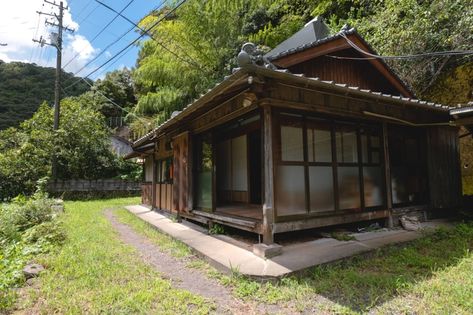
point(204, 164)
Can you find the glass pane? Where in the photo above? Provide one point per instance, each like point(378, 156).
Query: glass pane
point(206, 156)
point(149, 169)
point(239, 164)
point(204, 190)
point(319, 145)
point(349, 187)
point(373, 185)
point(375, 141)
point(291, 144)
point(290, 190)
point(204, 176)
point(375, 157)
point(347, 151)
point(224, 164)
point(400, 192)
point(364, 148)
point(321, 188)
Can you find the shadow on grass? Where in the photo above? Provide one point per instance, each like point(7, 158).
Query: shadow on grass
point(363, 282)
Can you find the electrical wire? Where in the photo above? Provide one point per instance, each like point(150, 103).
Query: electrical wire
point(101, 31)
point(108, 46)
point(140, 36)
point(192, 63)
point(135, 40)
point(35, 35)
point(421, 55)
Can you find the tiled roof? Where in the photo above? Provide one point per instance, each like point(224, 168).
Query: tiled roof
point(309, 45)
point(322, 83)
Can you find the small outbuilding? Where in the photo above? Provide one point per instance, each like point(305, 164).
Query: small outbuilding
point(314, 133)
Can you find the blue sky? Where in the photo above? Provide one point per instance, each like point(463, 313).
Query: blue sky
point(19, 23)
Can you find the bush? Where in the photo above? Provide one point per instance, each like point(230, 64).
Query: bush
point(50, 233)
point(17, 217)
point(28, 227)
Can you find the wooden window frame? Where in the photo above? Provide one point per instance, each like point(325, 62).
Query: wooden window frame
point(308, 121)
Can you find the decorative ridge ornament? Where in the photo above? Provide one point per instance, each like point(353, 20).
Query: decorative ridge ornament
point(250, 54)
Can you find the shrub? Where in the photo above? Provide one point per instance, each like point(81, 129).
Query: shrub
point(17, 217)
point(28, 227)
point(51, 233)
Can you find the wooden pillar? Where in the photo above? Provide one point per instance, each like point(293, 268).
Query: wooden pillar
point(387, 175)
point(268, 206)
point(153, 180)
point(190, 173)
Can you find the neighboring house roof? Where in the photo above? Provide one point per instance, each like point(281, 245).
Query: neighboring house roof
point(316, 34)
point(242, 74)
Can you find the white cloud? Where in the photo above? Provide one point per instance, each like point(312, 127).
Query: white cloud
point(19, 24)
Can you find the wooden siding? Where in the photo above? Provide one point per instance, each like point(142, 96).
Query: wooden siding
point(326, 102)
point(444, 167)
point(360, 73)
point(164, 197)
point(146, 194)
point(181, 173)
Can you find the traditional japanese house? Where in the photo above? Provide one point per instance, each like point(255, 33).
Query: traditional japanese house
point(314, 133)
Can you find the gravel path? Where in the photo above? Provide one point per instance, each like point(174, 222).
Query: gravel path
point(183, 277)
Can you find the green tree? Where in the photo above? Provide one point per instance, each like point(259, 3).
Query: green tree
point(190, 51)
point(81, 146)
point(118, 87)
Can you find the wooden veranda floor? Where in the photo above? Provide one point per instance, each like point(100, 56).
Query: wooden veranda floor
point(245, 211)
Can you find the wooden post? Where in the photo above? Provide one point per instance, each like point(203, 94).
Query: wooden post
point(268, 206)
point(153, 181)
point(190, 174)
point(387, 175)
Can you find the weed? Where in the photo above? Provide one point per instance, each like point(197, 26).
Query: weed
point(216, 229)
point(342, 236)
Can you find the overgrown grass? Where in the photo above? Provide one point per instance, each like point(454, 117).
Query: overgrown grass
point(431, 273)
point(28, 227)
point(174, 247)
point(96, 273)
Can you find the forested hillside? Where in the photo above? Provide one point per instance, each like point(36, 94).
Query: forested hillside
point(195, 46)
point(23, 87)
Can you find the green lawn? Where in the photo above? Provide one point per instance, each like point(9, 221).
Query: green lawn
point(95, 273)
point(430, 275)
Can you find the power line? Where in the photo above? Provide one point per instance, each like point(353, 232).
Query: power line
point(413, 56)
point(84, 8)
point(108, 46)
point(35, 35)
point(141, 35)
point(112, 102)
point(102, 30)
point(129, 45)
point(191, 63)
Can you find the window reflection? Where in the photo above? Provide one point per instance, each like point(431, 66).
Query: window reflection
point(347, 150)
point(292, 148)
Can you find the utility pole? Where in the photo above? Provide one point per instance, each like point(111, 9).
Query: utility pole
point(56, 41)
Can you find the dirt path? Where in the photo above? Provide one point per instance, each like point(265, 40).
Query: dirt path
point(183, 277)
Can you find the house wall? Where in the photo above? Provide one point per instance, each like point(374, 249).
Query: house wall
point(444, 167)
point(360, 73)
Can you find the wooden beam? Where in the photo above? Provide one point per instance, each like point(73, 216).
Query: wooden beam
point(268, 205)
point(327, 221)
point(224, 218)
point(311, 53)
